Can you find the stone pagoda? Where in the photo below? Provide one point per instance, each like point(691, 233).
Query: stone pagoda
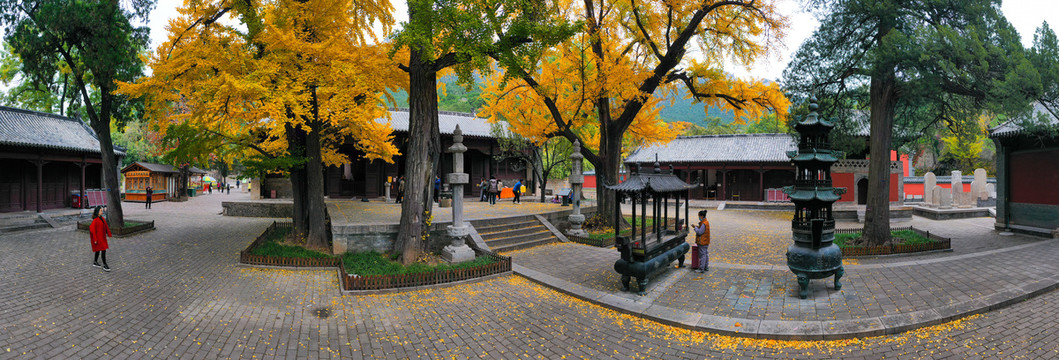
point(814, 255)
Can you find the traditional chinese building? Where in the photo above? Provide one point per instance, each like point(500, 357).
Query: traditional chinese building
point(44, 159)
point(1028, 175)
point(367, 179)
point(753, 167)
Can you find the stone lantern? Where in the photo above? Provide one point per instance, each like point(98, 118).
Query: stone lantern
point(577, 179)
point(814, 255)
point(457, 251)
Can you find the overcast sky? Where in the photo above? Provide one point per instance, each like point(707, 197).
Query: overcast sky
point(1025, 15)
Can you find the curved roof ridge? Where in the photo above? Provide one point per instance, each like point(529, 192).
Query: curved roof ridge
point(40, 113)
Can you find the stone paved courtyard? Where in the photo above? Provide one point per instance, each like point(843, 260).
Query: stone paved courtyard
point(177, 292)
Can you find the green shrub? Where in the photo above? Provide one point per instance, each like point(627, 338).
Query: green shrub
point(272, 247)
point(373, 263)
point(900, 237)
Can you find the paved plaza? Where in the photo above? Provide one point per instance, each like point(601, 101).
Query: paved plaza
point(178, 292)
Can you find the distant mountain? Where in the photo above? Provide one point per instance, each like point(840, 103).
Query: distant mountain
point(690, 111)
point(456, 98)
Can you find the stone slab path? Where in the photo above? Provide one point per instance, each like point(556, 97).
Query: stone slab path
point(177, 292)
point(750, 292)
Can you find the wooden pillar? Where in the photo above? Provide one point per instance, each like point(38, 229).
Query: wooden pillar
point(83, 165)
point(722, 190)
point(40, 181)
point(761, 184)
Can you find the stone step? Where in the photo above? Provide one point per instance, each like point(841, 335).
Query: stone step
point(513, 232)
point(523, 245)
point(24, 227)
point(502, 221)
point(542, 234)
point(490, 227)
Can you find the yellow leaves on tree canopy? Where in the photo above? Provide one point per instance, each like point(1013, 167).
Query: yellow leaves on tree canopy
point(294, 62)
point(623, 45)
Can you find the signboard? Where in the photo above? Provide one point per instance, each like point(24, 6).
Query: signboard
point(138, 173)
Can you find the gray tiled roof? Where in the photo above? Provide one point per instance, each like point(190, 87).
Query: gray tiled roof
point(158, 168)
point(719, 148)
point(1014, 126)
point(470, 125)
point(33, 129)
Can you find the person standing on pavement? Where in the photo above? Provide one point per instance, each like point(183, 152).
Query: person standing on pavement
point(518, 192)
point(150, 195)
point(437, 187)
point(702, 239)
point(400, 190)
point(483, 187)
point(97, 233)
point(492, 190)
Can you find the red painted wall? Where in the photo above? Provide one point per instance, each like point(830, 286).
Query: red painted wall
point(846, 181)
point(893, 187)
point(590, 182)
point(917, 189)
point(1034, 176)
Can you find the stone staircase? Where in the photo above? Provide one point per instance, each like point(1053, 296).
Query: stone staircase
point(513, 233)
point(21, 222)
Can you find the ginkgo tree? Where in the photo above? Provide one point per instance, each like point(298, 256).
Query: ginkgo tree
point(460, 36)
point(287, 79)
point(603, 86)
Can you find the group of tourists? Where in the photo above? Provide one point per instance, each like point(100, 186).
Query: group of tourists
point(491, 190)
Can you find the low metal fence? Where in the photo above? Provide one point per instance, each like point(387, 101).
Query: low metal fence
point(938, 243)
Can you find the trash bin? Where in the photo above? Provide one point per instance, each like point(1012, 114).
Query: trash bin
point(566, 200)
point(445, 199)
point(75, 201)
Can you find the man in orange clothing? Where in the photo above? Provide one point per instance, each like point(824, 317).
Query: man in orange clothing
point(702, 239)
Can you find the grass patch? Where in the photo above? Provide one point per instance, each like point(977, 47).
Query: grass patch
point(900, 237)
point(272, 247)
point(373, 263)
point(128, 224)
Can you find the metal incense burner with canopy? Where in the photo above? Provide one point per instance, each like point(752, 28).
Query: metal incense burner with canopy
point(814, 255)
point(645, 249)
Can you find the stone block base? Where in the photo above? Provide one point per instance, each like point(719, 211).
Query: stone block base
point(457, 254)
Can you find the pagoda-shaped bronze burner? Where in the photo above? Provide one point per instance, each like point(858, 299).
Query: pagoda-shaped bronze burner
point(814, 255)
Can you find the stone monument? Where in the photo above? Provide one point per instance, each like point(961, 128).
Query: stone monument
point(457, 251)
point(945, 200)
point(576, 181)
point(929, 181)
point(978, 186)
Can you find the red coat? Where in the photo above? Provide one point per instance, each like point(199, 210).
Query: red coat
point(98, 232)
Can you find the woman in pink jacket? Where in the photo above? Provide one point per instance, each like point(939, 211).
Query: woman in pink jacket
point(98, 232)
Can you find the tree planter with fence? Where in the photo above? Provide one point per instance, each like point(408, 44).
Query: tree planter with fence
point(903, 242)
point(131, 227)
point(266, 251)
point(379, 271)
point(486, 264)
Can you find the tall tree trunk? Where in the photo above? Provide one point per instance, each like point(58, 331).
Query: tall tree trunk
point(317, 237)
point(299, 184)
point(115, 215)
point(883, 94)
point(422, 154)
point(610, 156)
point(182, 183)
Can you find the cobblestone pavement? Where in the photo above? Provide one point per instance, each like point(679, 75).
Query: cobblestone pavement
point(176, 292)
point(749, 278)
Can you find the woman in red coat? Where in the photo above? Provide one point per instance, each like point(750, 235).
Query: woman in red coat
point(98, 232)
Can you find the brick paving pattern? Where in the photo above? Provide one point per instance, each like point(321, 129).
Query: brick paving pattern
point(177, 292)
